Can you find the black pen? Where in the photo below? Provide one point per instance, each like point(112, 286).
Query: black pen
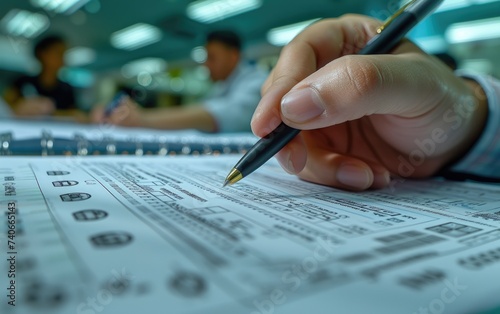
point(388, 36)
point(114, 103)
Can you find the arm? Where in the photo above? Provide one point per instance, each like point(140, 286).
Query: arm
point(26, 107)
point(130, 114)
point(193, 117)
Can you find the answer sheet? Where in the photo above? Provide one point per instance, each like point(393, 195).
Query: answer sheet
point(160, 235)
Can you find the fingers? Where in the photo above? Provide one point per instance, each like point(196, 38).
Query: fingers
point(344, 172)
point(310, 50)
point(293, 156)
point(47, 106)
point(127, 113)
point(97, 114)
point(352, 87)
point(36, 106)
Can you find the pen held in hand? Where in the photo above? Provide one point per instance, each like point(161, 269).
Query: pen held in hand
point(388, 36)
point(114, 103)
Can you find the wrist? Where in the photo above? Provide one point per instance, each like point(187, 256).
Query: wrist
point(474, 123)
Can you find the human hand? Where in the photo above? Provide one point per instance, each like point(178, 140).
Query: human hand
point(34, 106)
point(128, 113)
point(366, 118)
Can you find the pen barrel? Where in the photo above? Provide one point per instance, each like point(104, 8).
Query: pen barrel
point(391, 36)
point(266, 148)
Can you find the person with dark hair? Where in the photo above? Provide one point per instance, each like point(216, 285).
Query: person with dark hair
point(44, 94)
point(227, 108)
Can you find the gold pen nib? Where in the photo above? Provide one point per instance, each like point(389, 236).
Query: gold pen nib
point(233, 177)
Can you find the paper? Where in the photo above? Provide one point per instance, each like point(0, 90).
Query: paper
point(160, 235)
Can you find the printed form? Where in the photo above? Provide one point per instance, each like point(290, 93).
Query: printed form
point(160, 235)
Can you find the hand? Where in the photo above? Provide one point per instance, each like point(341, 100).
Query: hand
point(128, 114)
point(366, 118)
point(34, 106)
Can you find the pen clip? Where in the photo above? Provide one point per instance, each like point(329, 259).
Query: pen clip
point(394, 16)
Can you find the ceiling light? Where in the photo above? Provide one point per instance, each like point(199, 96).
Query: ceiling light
point(135, 36)
point(20, 23)
point(448, 5)
point(209, 11)
point(79, 56)
point(473, 31)
point(146, 65)
point(60, 6)
point(281, 36)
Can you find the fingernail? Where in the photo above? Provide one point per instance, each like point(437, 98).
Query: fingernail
point(354, 176)
point(288, 165)
point(302, 105)
point(387, 178)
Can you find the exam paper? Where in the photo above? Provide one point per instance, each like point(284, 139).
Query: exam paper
point(160, 235)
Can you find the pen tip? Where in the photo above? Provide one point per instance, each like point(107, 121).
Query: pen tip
point(233, 177)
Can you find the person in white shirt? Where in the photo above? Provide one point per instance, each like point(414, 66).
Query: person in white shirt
point(228, 108)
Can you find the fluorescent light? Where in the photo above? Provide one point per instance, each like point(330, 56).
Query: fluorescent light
point(136, 36)
point(281, 36)
point(473, 31)
point(79, 56)
point(20, 23)
point(146, 65)
point(209, 11)
point(458, 4)
point(60, 6)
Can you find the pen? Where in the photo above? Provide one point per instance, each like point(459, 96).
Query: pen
point(114, 103)
point(388, 36)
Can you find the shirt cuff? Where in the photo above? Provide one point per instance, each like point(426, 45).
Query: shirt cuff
point(482, 158)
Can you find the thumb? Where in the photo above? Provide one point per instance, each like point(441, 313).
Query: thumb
point(354, 86)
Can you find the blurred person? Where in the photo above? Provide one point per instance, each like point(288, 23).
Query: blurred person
point(368, 118)
point(44, 94)
point(227, 108)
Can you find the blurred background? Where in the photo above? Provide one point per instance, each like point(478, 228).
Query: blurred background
point(155, 47)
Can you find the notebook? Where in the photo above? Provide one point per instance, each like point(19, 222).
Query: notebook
point(42, 137)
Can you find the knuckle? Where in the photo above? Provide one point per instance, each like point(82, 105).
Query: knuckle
point(363, 76)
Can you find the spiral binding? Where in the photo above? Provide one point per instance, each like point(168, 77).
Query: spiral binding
point(47, 145)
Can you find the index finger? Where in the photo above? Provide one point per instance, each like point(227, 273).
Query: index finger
point(316, 46)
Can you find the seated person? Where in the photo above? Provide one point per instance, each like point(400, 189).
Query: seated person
point(228, 108)
point(44, 94)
